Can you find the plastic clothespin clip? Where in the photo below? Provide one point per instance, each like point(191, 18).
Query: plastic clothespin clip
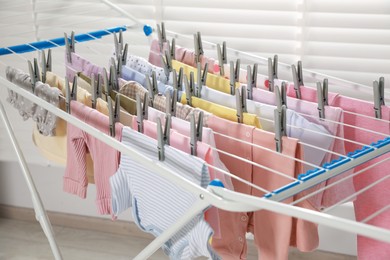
point(116, 73)
point(172, 49)
point(189, 88)
point(280, 96)
point(280, 126)
point(46, 64)
point(70, 46)
point(120, 51)
point(34, 73)
point(161, 35)
point(166, 61)
point(96, 89)
point(171, 102)
point(177, 82)
point(272, 72)
point(201, 78)
point(322, 97)
point(163, 138)
point(151, 85)
point(113, 112)
point(196, 132)
point(142, 111)
point(198, 47)
point(222, 58)
point(379, 96)
point(249, 85)
point(71, 94)
point(241, 104)
point(297, 78)
point(109, 81)
point(234, 75)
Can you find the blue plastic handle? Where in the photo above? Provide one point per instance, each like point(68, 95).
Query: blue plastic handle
point(41, 45)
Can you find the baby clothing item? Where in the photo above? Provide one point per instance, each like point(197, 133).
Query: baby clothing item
point(46, 121)
point(378, 196)
point(105, 158)
point(25, 106)
point(166, 198)
point(79, 64)
point(182, 54)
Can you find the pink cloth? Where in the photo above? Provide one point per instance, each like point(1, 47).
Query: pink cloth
point(378, 196)
point(335, 116)
point(183, 55)
point(79, 64)
point(273, 233)
point(105, 158)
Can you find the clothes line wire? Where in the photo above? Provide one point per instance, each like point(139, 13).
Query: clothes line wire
point(382, 210)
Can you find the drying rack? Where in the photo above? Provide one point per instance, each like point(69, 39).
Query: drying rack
point(215, 194)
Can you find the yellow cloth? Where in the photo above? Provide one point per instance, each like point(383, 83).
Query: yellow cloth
point(222, 111)
point(53, 148)
point(213, 81)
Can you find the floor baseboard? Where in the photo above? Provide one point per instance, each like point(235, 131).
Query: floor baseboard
point(75, 221)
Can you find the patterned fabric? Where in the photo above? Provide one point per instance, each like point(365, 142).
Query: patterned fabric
point(131, 89)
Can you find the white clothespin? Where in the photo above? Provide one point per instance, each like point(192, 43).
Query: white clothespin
point(322, 97)
point(70, 46)
point(281, 95)
point(251, 80)
point(172, 49)
point(115, 73)
point(272, 72)
point(171, 102)
point(189, 88)
point(234, 75)
point(166, 62)
point(222, 58)
point(71, 94)
point(96, 89)
point(196, 132)
point(113, 113)
point(120, 51)
point(298, 79)
point(379, 96)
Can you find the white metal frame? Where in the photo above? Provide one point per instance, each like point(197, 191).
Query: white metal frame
point(215, 196)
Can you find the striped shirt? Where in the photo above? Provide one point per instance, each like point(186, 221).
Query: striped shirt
point(159, 203)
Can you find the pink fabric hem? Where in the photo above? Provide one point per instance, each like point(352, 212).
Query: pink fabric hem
point(74, 187)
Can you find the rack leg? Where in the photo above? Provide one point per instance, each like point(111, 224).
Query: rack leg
point(168, 233)
point(40, 212)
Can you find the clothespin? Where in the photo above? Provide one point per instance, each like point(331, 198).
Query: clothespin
point(379, 96)
point(166, 61)
point(177, 82)
point(196, 132)
point(172, 49)
point(34, 73)
point(201, 78)
point(322, 97)
point(163, 138)
point(152, 87)
point(69, 43)
point(251, 80)
point(241, 104)
point(161, 35)
point(142, 111)
point(171, 102)
point(298, 79)
point(198, 47)
point(71, 94)
point(109, 81)
point(280, 126)
point(280, 95)
point(120, 51)
point(116, 72)
point(222, 58)
point(46, 64)
point(272, 72)
point(113, 112)
point(96, 89)
point(234, 75)
point(189, 88)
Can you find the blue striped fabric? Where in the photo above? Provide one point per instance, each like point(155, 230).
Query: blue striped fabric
point(158, 203)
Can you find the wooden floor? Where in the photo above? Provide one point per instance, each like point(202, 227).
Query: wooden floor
point(22, 240)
